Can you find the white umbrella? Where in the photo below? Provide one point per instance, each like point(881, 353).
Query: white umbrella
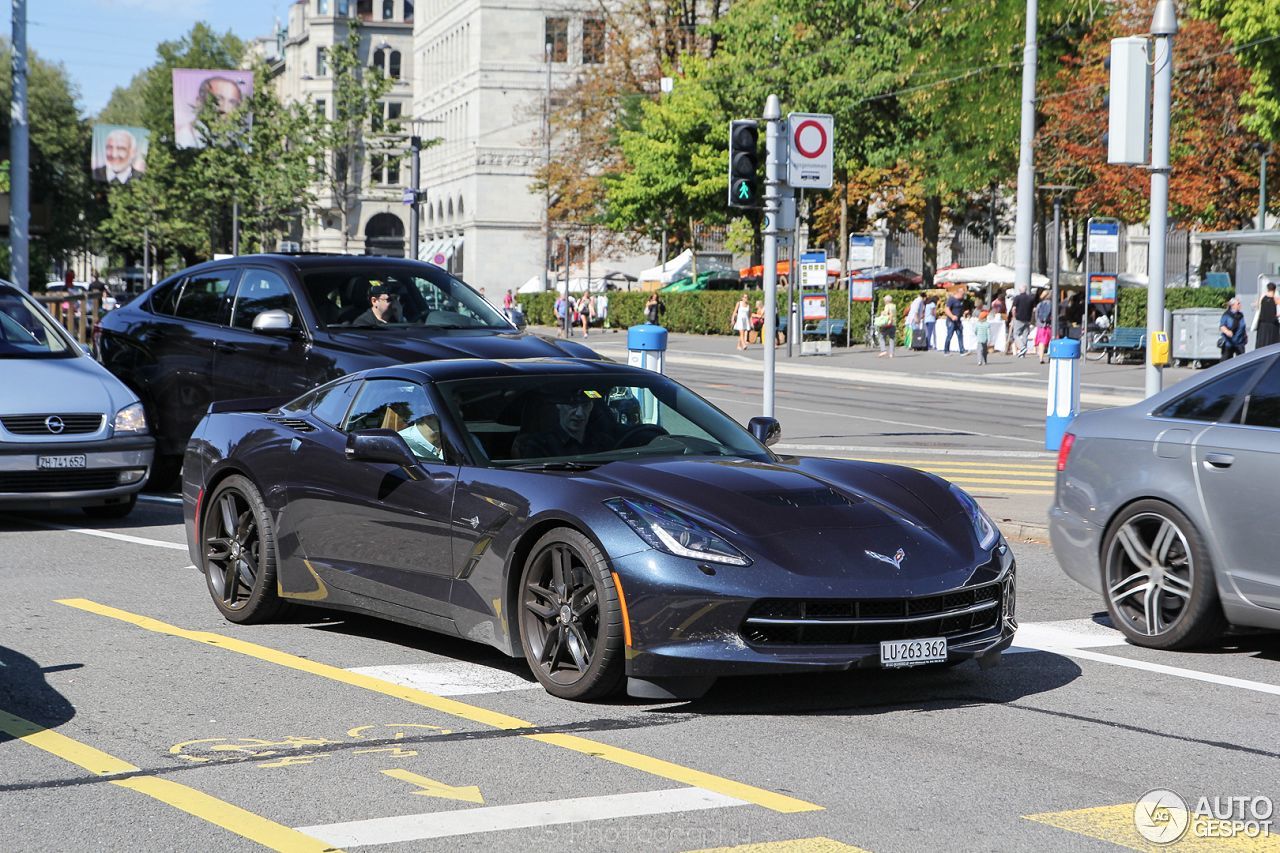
point(984, 275)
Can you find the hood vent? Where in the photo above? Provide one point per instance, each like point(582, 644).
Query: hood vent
point(804, 498)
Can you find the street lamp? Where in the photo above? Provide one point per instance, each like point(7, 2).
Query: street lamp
point(1264, 150)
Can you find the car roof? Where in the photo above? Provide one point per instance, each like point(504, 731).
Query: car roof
point(447, 370)
point(303, 261)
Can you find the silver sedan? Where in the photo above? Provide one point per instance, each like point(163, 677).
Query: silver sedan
point(1169, 507)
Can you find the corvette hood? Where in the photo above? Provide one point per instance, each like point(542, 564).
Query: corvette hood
point(408, 345)
point(844, 519)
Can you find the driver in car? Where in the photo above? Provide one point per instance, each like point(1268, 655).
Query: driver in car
point(384, 307)
point(562, 425)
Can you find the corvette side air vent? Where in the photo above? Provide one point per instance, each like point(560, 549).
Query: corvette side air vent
point(295, 424)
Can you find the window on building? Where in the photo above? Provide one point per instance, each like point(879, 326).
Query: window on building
point(393, 170)
point(344, 8)
point(322, 62)
point(322, 108)
point(558, 38)
point(322, 7)
point(593, 41)
point(388, 9)
point(380, 61)
point(393, 116)
point(408, 11)
point(377, 163)
point(393, 65)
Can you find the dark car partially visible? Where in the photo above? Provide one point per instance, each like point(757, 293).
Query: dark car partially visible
point(273, 326)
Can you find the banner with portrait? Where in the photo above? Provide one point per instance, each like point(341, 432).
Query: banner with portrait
point(119, 153)
point(194, 88)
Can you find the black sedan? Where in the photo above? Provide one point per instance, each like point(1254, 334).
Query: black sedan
point(600, 520)
point(264, 325)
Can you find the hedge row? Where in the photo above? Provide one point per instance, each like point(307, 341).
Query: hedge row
point(710, 312)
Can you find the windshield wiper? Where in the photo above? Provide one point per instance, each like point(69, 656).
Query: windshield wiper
point(556, 466)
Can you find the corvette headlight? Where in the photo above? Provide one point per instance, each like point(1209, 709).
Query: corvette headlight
point(667, 530)
point(983, 527)
point(130, 419)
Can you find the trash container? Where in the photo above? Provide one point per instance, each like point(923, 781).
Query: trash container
point(1195, 336)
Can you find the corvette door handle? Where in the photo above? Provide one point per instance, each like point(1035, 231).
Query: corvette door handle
point(1219, 460)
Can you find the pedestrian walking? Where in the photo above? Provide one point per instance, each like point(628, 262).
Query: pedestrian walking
point(954, 309)
point(915, 321)
point(562, 311)
point(602, 309)
point(886, 327)
point(1024, 307)
point(1266, 323)
point(930, 320)
point(654, 309)
point(740, 320)
point(757, 322)
point(1234, 333)
point(982, 335)
point(508, 302)
point(1044, 324)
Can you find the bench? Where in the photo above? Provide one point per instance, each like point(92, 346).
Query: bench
point(833, 329)
point(1123, 341)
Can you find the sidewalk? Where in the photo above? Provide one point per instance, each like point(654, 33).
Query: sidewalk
point(1102, 384)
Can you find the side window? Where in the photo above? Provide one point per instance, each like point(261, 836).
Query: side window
point(399, 405)
point(262, 290)
point(332, 403)
point(165, 300)
point(204, 297)
point(1262, 408)
point(1212, 400)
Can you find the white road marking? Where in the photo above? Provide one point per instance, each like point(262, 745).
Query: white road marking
point(452, 678)
point(416, 827)
point(107, 534)
point(1076, 637)
point(160, 499)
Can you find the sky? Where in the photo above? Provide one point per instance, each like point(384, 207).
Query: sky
point(103, 43)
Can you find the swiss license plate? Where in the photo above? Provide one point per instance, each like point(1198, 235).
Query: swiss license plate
point(895, 653)
point(47, 462)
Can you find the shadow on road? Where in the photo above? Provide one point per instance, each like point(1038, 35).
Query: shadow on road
point(25, 693)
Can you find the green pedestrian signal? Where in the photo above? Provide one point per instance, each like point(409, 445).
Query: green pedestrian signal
point(744, 164)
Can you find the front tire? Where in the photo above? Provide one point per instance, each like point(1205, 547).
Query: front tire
point(1158, 579)
point(570, 618)
point(238, 548)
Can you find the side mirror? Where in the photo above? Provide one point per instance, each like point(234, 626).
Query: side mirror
point(381, 445)
point(766, 430)
point(273, 322)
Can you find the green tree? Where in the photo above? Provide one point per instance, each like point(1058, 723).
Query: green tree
point(1253, 26)
point(357, 115)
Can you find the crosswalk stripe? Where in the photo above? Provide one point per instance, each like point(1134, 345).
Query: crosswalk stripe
point(1115, 824)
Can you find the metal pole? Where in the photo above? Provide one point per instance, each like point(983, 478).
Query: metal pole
point(772, 192)
point(1164, 25)
point(1057, 264)
point(793, 276)
point(546, 200)
point(146, 257)
point(1084, 327)
point(1026, 160)
point(19, 155)
point(1262, 191)
point(235, 227)
point(568, 315)
point(994, 220)
point(415, 183)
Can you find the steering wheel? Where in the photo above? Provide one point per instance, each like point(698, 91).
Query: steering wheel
point(638, 436)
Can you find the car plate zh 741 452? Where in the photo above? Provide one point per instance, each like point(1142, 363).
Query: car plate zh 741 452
point(46, 462)
point(895, 653)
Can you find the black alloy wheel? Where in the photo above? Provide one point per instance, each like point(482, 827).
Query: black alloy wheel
point(239, 552)
point(1158, 579)
point(570, 619)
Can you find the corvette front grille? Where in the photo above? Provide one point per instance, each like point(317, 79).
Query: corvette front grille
point(854, 621)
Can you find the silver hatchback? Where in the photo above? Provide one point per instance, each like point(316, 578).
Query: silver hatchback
point(71, 434)
point(1169, 507)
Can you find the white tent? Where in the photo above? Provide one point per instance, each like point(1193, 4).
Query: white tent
point(673, 269)
point(533, 285)
point(984, 275)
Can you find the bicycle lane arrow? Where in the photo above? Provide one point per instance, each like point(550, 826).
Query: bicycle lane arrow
point(432, 788)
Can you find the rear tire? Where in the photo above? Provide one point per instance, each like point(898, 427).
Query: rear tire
point(570, 618)
point(1157, 579)
point(238, 552)
point(112, 511)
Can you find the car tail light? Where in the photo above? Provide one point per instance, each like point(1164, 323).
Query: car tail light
point(1068, 440)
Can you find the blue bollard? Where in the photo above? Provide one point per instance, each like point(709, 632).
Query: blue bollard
point(1064, 390)
point(646, 346)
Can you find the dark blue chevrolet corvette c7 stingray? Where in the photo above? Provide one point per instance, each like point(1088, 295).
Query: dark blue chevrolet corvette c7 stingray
point(603, 521)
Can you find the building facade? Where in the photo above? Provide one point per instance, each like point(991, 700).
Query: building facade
point(480, 87)
point(377, 221)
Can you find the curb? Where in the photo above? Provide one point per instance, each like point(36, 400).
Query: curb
point(1025, 531)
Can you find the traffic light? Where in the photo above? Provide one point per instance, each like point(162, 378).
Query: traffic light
point(744, 164)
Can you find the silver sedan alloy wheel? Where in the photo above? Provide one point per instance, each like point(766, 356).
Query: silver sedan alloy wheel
point(1150, 573)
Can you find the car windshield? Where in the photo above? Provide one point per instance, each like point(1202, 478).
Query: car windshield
point(577, 421)
point(401, 295)
point(27, 332)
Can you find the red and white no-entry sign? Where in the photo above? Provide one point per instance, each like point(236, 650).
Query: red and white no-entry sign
point(810, 139)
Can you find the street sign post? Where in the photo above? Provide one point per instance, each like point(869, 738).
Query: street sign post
point(1102, 237)
point(810, 155)
point(812, 280)
point(862, 251)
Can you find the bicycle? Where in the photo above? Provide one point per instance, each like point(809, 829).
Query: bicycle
point(1100, 337)
point(870, 335)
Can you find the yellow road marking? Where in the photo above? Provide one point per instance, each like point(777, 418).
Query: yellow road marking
point(1047, 476)
point(637, 761)
point(797, 845)
point(196, 803)
point(1115, 825)
point(432, 788)
point(942, 462)
point(980, 491)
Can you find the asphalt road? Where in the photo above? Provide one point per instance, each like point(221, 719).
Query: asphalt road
point(145, 722)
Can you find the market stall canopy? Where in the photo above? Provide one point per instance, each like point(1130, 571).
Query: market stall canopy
point(888, 275)
point(709, 280)
point(984, 275)
point(673, 269)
